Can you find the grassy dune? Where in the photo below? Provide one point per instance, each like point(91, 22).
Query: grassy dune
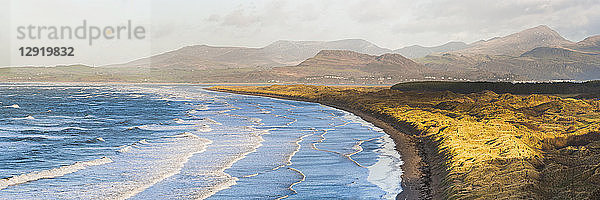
point(590, 87)
point(494, 146)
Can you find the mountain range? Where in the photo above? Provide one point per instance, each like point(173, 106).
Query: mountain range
point(537, 53)
point(343, 66)
point(418, 51)
point(280, 53)
point(517, 43)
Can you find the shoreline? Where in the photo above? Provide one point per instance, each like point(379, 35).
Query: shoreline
point(422, 172)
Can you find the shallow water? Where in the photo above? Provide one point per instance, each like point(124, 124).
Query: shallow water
point(183, 142)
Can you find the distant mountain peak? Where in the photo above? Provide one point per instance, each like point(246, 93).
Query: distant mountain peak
point(296, 42)
point(592, 40)
point(339, 54)
point(542, 27)
point(518, 43)
point(394, 58)
point(390, 58)
point(542, 30)
point(354, 40)
point(418, 51)
point(590, 45)
point(454, 42)
point(353, 65)
point(329, 52)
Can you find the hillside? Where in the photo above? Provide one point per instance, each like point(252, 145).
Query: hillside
point(280, 53)
point(517, 43)
point(418, 51)
point(352, 67)
point(294, 52)
point(590, 44)
point(538, 54)
point(535, 54)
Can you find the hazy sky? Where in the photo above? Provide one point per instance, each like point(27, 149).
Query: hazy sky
point(392, 24)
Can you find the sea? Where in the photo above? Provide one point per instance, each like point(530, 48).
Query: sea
point(185, 142)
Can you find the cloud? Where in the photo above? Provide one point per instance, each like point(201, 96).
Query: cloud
point(387, 23)
point(485, 18)
point(240, 18)
point(396, 23)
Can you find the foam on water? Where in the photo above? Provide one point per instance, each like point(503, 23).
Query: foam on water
point(51, 173)
point(127, 148)
point(356, 119)
point(24, 118)
point(13, 106)
point(139, 167)
point(183, 143)
point(40, 128)
point(124, 149)
point(169, 166)
point(252, 144)
point(386, 172)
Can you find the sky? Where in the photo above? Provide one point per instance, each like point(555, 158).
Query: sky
point(171, 24)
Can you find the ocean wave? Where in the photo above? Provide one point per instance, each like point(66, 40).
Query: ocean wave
point(163, 159)
point(29, 117)
point(127, 148)
point(211, 121)
point(356, 119)
point(35, 137)
point(81, 96)
point(181, 125)
point(135, 96)
point(204, 128)
point(143, 142)
point(204, 120)
point(184, 135)
point(195, 121)
point(180, 121)
point(51, 173)
point(201, 107)
point(386, 172)
point(13, 106)
point(40, 128)
point(159, 127)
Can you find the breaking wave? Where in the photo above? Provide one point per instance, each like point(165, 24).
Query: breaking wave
point(51, 173)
